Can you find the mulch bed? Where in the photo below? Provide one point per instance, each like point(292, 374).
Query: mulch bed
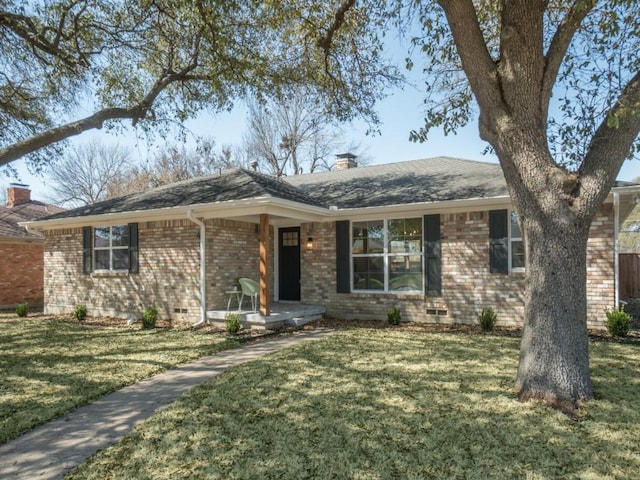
point(328, 322)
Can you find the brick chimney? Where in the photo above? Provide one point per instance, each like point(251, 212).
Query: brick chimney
point(344, 161)
point(18, 194)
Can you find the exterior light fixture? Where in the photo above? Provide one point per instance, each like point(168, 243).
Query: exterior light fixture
point(309, 243)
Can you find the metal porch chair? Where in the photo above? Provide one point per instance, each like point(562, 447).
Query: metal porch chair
point(250, 288)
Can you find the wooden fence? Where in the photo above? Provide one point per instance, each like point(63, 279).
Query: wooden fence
point(629, 275)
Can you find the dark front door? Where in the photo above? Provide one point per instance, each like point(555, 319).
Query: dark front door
point(289, 263)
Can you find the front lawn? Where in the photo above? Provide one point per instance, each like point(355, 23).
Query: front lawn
point(49, 367)
point(383, 404)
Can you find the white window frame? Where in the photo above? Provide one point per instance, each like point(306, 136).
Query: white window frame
point(110, 248)
point(386, 255)
point(513, 239)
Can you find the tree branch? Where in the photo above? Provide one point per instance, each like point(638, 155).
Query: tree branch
point(25, 28)
point(560, 43)
point(57, 134)
point(338, 20)
point(95, 121)
point(476, 61)
point(612, 142)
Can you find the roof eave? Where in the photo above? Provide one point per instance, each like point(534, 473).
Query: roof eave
point(625, 190)
point(232, 208)
point(420, 208)
point(278, 207)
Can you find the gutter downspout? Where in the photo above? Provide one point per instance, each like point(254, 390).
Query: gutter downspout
point(203, 269)
point(616, 247)
point(31, 230)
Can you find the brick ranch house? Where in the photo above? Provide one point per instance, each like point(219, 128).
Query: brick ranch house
point(21, 251)
point(436, 237)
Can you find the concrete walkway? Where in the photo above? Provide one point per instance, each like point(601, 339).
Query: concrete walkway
point(55, 448)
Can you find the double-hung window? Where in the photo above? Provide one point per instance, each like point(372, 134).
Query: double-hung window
point(387, 255)
point(111, 248)
point(516, 245)
point(506, 244)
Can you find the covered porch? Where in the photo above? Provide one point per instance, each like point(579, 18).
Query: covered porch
point(260, 242)
point(281, 314)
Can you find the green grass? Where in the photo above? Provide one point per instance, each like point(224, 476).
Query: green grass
point(385, 404)
point(49, 367)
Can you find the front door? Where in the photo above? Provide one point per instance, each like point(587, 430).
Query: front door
point(289, 263)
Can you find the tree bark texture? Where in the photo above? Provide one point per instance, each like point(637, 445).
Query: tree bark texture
point(554, 353)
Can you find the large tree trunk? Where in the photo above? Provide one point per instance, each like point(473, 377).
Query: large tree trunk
point(554, 355)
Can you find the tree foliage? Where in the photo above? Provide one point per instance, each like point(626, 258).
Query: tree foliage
point(154, 62)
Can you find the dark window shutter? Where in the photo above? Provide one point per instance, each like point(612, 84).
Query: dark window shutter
point(133, 248)
point(87, 250)
point(343, 277)
point(433, 256)
point(498, 241)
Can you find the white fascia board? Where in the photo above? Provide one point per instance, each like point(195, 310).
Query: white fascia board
point(417, 209)
point(271, 206)
point(250, 206)
point(626, 190)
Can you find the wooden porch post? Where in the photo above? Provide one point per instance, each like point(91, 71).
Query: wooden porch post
point(264, 265)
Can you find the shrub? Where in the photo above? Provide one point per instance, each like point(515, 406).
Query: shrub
point(80, 313)
point(232, 322)
point(394, 316)
point(618, 322)
point(22, 309)
point(149, 318)
point(487, 319)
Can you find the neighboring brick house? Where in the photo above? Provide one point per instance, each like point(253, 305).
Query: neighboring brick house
point(21, 252)
point(435, 237)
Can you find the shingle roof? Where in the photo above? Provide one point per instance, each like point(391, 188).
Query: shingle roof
point(418, 181)
point(428, 180)
point(233, 184)
point(24, 212)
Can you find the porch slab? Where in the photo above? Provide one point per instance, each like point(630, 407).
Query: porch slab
point(282, 313)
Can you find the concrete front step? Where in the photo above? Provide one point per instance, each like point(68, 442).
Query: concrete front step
point(294, 314)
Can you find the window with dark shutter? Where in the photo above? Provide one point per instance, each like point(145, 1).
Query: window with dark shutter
point(87, 254)
point(343, 275)
point(498, 241)
point(133, 248)
point(433, 256)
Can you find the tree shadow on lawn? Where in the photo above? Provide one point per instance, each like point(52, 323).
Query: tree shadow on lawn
point(372, 404)
point(51, 368)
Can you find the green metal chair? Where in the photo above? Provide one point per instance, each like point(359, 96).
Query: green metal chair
point(250, 288)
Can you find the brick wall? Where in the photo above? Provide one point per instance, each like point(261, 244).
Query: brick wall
point(169, 278)
point(21, 276)
point(233, 251)
point(169, 266)
point(467, 284)
point(600, 267)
